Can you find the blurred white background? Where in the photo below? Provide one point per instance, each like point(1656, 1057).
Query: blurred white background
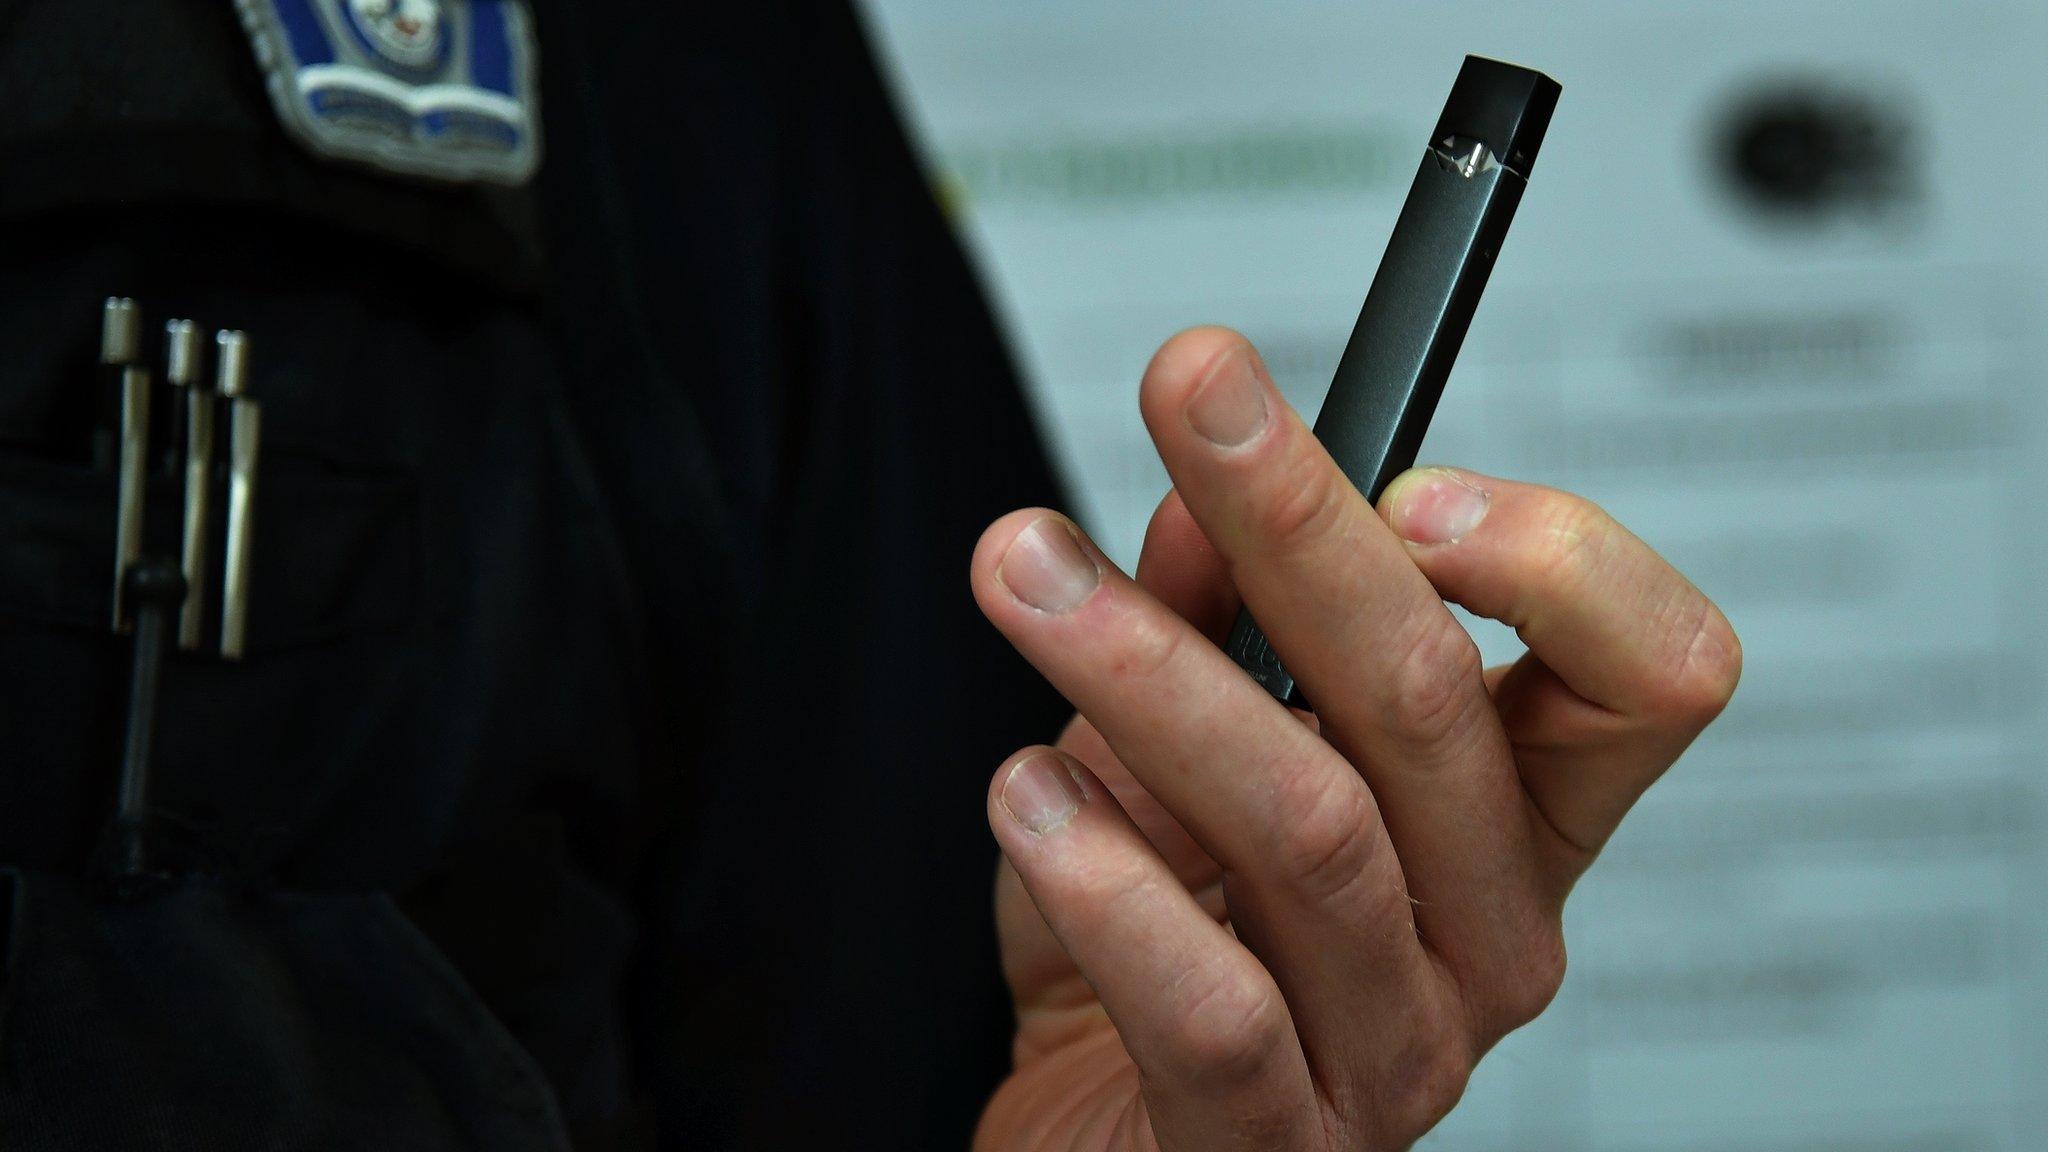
point(1774, 298)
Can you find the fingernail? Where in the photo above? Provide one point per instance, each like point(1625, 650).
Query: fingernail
point(1229, 407)
point(1041, 794)
point(1434, 505)
point(1046, 568)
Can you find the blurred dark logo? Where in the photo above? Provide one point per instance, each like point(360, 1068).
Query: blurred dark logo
point(1809, 151)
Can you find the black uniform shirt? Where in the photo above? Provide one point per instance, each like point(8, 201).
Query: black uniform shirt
point(608, 763)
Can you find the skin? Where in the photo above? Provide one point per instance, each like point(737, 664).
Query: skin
point(1227, 925)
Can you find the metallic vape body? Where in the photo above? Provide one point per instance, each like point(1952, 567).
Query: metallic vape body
point(1422, 298)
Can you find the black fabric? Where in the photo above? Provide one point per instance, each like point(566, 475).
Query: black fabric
point(202, 994)
point(610, 631)
point(110, 102)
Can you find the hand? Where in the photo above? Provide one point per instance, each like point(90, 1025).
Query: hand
point(1231, 926)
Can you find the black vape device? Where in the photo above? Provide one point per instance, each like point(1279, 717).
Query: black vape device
point(1423, 296)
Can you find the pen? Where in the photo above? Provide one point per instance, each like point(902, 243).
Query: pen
point(195, 562)
point(132, 484)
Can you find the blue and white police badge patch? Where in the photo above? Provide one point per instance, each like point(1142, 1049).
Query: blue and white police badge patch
point(437, 88)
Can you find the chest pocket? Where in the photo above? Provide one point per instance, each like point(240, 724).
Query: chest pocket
point(334, 591)
point(337, 552)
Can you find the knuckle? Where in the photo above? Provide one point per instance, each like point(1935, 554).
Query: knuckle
point(1327, 827)
point(1579, 538)
point(1228, 1031)
point(1533, 981)
point(1303, 502)
point(1574, 536)
point(1426, 1082)
point(1109, 889)
point(1429, 685)
point(1091, 898)
point(1709, 666)
point(1148, 645)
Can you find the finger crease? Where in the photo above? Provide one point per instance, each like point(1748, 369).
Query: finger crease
point(1584, 852)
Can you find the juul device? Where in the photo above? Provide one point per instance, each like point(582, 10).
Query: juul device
point(1421, 301)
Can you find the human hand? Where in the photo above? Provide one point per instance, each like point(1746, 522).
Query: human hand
point(1231, 926)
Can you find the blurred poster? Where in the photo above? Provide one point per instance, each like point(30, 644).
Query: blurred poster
point(1774, 299)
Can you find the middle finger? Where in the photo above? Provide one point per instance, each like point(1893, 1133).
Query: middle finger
point(1315, 888)
point(1396, 681)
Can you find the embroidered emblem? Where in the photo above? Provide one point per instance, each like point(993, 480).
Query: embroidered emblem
point(404, 32)
point(439, 88)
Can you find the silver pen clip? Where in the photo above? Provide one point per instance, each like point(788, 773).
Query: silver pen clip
point(244, 445)
point(114, 424)
point(134, 479)
point(182, 339)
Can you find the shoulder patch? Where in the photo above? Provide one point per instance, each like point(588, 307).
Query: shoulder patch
point(444, 89)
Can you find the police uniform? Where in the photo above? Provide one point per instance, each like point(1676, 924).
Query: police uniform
point(605, 766)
